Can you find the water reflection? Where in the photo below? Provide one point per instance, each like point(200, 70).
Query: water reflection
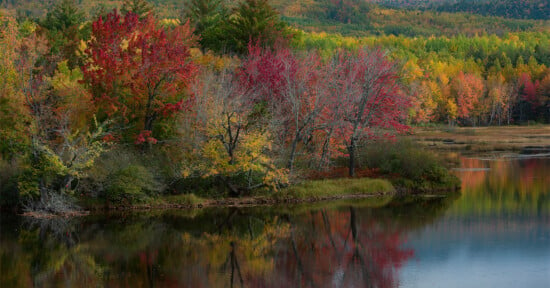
point(339, 244)
point(496, 233)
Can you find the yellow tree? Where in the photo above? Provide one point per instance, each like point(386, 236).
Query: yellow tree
point(499, 95)
point(14, 116)
point(232, 147)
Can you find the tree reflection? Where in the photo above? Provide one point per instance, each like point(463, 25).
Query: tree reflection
point(507, 186)
point(342, 248)
point(325, 246)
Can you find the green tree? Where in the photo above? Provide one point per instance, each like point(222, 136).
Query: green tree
point(209, 18)
point(63, 31)
point(139, 7)
point(255, 21)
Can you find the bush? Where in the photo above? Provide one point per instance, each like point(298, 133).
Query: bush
point(123, 177)
point(410, 167)
point(52, 202)
point(131, 184)
point(202, 186)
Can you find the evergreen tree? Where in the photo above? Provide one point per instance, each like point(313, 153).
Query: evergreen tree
point(255, 21)
point(139, 7)
point(63, 31)
point(209, 18)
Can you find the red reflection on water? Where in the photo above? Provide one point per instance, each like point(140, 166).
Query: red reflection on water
point(340, 249)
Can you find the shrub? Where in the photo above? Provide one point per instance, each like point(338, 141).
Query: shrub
point(52, 202)
point(123, 176)
point(133, 184)
point(410, 167)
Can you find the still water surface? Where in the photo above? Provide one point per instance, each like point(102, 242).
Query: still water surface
point(496, 233)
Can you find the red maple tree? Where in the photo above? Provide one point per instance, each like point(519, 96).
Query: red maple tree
point(138, 71)
point(294, 89)
point(369, 99)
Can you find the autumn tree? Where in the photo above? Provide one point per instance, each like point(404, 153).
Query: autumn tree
point(14, 115)
point(468, 90)
point(138, 72)
point(56, 143)
point(544, 94)
point(372, 99)
point(500, 97)
point(231, 145)
point(529, 101)
point(294, 88)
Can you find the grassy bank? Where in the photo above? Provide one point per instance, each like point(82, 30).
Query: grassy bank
point(305, 192)
point(327, 188)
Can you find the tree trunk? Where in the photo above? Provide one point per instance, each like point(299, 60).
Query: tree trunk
point(351, 150)
point(290, 164)
point(149, 120)
point(324, 154)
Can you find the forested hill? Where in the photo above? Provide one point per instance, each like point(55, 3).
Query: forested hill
point(524, 9)
point(519, 9)
point(410, 18)
point(359, 17)
point(347, 10)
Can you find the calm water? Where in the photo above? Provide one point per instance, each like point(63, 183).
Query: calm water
point(496, 233)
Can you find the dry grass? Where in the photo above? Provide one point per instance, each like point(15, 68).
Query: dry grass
point(484, 139)
point(319, 189)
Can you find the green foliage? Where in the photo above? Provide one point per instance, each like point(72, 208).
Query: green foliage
point(210, 19)
point(62, 23)
point(315, 16)
point(142, 174)
point(255, 21)
point(130, 184)
point(139, 7)
point(62, 16)
point(525, 9)
point(225, 30)
point(409, 166)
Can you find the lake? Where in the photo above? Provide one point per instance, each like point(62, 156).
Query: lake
point(495, 233)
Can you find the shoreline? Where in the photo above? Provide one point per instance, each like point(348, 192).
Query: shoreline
point(243, 202)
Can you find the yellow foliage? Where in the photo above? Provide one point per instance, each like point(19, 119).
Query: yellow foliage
point(167, 22)
point(452, 109)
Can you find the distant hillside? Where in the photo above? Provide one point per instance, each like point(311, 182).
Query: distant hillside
point(518, 9)
point(354, 17)
point(521, 9)
point(359, 17)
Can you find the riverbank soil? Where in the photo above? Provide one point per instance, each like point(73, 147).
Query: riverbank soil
point(485, 139)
